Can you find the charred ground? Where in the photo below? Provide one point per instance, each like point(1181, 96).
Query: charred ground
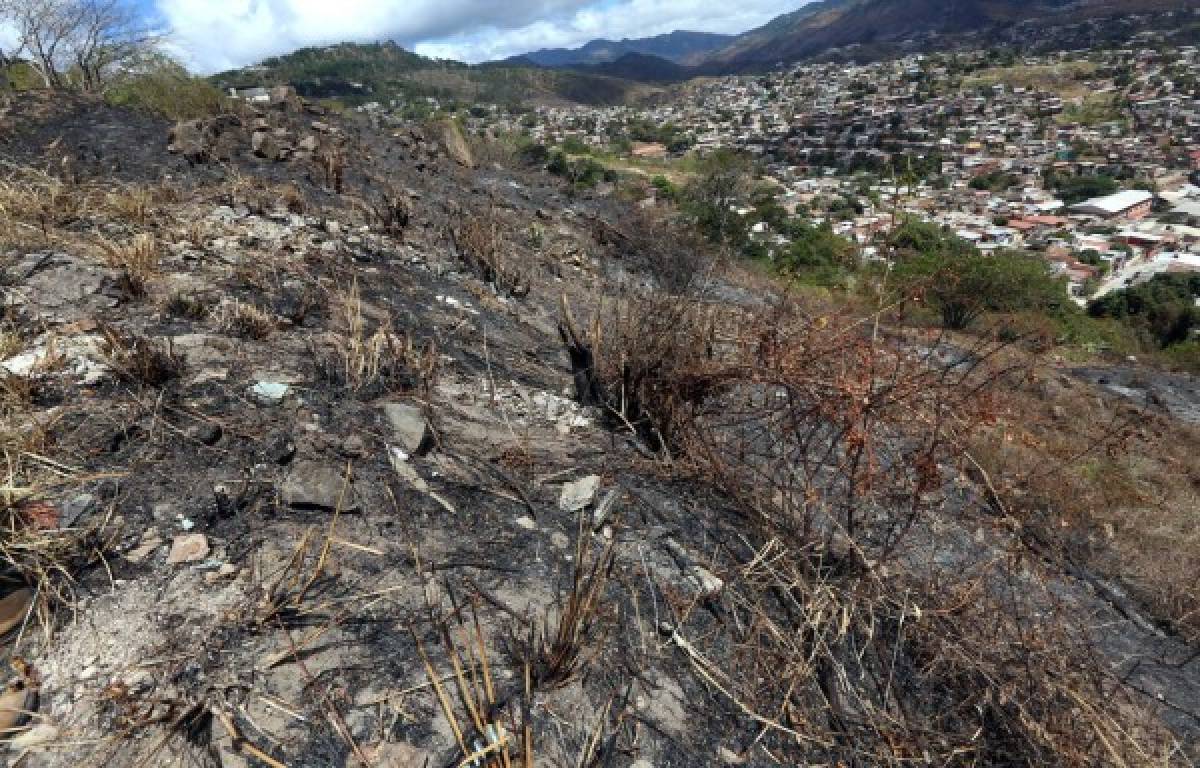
point(317, 432)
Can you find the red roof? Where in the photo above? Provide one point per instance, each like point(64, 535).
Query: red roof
point(1049, 221)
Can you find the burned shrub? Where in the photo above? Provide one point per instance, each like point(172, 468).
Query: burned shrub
point(480, 245)
point(676, 258)
point(368, 362)
point(872, 629)
point(187, 306)
point(391, 211)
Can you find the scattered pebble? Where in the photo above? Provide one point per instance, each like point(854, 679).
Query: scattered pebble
point(189, 548)
point(577, 495)
point(149, 544)
point(270, 392)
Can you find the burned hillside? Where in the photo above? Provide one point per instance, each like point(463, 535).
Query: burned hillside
point(330, 443)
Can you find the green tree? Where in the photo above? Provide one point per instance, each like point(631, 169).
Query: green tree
point(1162, 309)
point(712, 197)
point(817, 255)
point(666, 189)
point(164, 87)
point(962, 283)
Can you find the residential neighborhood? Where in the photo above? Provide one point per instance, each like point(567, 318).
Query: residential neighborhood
point(1091, 158)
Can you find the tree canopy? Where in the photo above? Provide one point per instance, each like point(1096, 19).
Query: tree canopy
point(962, 283)
point(1163, 307)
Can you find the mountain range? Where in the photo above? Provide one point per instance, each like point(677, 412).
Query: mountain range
point(870, 28)
point(605, 72)
point(882, 26)
point(679, 47)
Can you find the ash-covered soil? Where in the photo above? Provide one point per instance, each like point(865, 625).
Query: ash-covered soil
point(316, 454)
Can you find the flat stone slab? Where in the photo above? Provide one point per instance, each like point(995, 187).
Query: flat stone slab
point(311, 485)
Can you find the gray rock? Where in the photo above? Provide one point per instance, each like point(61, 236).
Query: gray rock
point(706, 583)
point(410, 430)
point(401, 756)
point(75, 509)
point(577, 495)
point(311, 485)
point(193, 139)
point(354, 446)
point(70, 290)
point(269, 392)
point(188, 548)
point(206, 433)
point(269, 147)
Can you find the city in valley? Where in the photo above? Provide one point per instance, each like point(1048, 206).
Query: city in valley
point(1090, 158)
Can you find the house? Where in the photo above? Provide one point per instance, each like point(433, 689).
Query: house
point(254, 94)
point(1130, 204)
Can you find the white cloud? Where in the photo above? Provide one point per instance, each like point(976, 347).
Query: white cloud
point(214, 35)
point(219, 34)
point(8, 37)
point(626, 18)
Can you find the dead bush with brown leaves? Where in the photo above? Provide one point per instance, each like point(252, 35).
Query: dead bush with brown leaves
point(868, 626)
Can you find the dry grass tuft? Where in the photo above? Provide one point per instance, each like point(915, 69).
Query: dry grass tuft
point(246, 321)
point(134, 204)
point(483, 741)
point(293, 199)
point(34, 204)
point(136, 259)
point(373, 362)
point(390, 211)
point(480, 244)
point(187, 306)
point(554, 657)
point(140, 360)
point(39, 208)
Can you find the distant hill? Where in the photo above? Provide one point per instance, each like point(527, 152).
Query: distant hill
point(357, 73)
point(879, 27)
point(679, 47)
point(641, 68)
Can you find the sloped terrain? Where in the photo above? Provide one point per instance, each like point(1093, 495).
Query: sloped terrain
point(871, 27)
point(327, 448)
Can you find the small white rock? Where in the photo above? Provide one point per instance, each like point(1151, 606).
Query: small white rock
point(577, 495)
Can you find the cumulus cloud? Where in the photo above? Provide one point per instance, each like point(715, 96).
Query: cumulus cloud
point(213, 35)
point(8, 37)
point(613, 21)
point(218, 35)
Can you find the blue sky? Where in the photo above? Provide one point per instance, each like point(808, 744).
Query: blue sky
point(211, 35)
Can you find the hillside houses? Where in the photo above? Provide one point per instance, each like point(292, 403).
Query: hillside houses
point(976, 140)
